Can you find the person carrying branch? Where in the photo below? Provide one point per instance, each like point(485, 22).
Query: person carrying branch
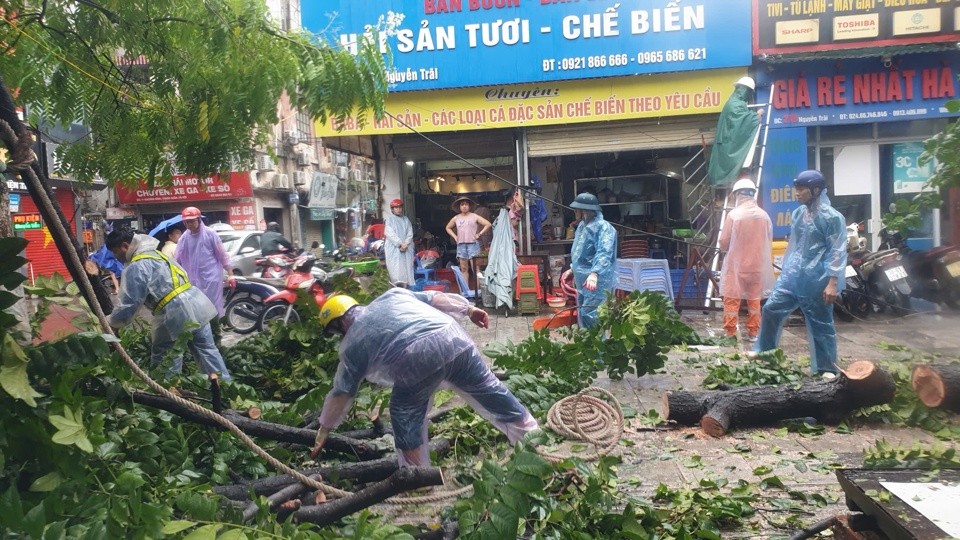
point(409, 341)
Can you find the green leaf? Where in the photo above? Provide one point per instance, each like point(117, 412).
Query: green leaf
point(70, 429)
point(13, 372)
point(47, 482)
point(207, 532)
point(233, 534)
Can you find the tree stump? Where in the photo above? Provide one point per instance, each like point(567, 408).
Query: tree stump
point(861, 385)
point(938, 386)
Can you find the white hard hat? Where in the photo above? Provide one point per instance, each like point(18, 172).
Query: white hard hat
point(744, 183)
point(746, 81)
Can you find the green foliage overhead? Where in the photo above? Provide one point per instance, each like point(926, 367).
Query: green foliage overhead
point(198, 80)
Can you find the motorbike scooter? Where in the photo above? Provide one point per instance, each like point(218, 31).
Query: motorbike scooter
point(244, 302)
point(934, 273)
point(303, 277)
point(887, 280)
point(854, 300)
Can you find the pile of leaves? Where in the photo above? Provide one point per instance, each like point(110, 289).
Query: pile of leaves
point(767, 368)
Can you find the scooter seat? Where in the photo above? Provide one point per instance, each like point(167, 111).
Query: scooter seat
point(877, 255)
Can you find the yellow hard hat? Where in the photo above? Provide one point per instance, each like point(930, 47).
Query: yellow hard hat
point(335, 307)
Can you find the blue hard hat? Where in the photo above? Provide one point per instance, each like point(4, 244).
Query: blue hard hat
point(811, 179)
point(586, 201)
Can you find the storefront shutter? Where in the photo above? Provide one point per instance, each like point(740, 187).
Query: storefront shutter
point(645, 134)
point(42, 255)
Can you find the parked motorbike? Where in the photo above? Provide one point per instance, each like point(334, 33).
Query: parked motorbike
point(279, 265)
point(302, 277)
point(854, 300)
point(934, 273)
point(244, 302)
point(887, 280)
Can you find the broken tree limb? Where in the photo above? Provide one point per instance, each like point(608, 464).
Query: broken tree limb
point(362, 472)
point(405, 479)
point(938, 386)
point(861, 385)
point(290, 492)
point(258, 428)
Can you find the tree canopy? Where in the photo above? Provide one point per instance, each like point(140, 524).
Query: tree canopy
point(168, 85)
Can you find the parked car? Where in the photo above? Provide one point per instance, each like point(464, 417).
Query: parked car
point(244, 249)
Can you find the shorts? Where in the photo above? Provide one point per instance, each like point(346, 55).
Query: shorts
point(468, 251)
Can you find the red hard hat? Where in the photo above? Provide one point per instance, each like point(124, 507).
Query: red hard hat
point(190, 212)
point(396, 202)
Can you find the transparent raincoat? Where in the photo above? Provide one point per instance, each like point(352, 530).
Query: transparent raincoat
point(401, 341)
point(594, 250)
point(399, 263)
point(747, 238)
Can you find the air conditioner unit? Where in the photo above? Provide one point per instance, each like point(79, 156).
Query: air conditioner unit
point(291, 136)
point(281, 181)
point(303, 157)
point(264, 163)
point(299, 178)
point(342, 172)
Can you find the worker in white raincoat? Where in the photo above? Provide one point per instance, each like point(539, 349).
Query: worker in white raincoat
point(153, 279)
point(409, 341)
point(747, 271)
point(592, 259)
point(398, 249)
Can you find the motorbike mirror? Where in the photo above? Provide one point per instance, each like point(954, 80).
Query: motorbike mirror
point(314, 245)
point(247, 250)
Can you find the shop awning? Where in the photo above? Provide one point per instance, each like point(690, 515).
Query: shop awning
point(676, 132)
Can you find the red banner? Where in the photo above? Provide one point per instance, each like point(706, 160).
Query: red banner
point(190, 188)
point(243, 216)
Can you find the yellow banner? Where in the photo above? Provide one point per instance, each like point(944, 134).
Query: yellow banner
point(562, 102)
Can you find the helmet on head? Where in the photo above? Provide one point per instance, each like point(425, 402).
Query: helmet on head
point(811, 179)
point(335, 307)
point(586, 201)
point(742, 184)
point(273, 226)
point(395, 203)
point(746, 81)
point(190, 212)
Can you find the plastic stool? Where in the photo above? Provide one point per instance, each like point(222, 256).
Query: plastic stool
point(528, 280)
point(419, 270)
point(657, 254)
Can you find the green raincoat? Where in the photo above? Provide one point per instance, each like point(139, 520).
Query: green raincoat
point(736, 129)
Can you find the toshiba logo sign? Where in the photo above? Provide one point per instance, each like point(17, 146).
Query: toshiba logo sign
point(792, 32)
point(856, 27)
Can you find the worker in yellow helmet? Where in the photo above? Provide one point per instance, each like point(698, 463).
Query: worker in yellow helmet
point(409, 341)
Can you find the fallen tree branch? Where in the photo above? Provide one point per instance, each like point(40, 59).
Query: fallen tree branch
point(290, 492)
point(362, 472)
point(405, 479)
point(862, 384)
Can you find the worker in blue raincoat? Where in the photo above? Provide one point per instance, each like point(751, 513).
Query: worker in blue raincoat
point(592, 259)
point(812, 275)
point(409, 341)
point(152, 278)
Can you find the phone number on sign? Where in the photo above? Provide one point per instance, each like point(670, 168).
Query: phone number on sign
point(623, 59)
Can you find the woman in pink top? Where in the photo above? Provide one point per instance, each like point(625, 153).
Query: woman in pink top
point(466, 236)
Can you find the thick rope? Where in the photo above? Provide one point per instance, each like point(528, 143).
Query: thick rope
point(581, 417)
point(74, 259)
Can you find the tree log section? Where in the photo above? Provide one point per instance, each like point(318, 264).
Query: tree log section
point(861, 385)
point(362, 472)
point(258, 428)
point(405, 479)
point(938, 386)
point(278, 498)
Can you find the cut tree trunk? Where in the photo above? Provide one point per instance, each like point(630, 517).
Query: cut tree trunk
point(405, 479)
point(938, 386)
point(290, 492)
point(258, 428)
point(861, 385)
point(362, 472)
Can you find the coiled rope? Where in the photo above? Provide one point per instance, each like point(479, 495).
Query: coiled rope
point(582, 417)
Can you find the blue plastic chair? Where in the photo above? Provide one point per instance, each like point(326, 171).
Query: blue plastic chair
point(462, 283)
point(419, 271)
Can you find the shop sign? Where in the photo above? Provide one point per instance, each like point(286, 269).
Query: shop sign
point(120, 213)
point(786, 156)
point(323, 191)
point(14, 202)
point(189, 188)
point(860, 90)
point(319, 214)
point(442, 44)
point(26, 221)
point(242, 215)
point(908, 175)
point(784, 27)
point(568, 102)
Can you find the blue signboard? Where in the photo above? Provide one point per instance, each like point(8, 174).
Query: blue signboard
point(459, 43)
point(786, 157)
point(860, 90)
point(14, 202)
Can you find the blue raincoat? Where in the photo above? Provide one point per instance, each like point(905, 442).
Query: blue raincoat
point(409, 341)
point(816, 252)
point(151, 280)
point(594, 250)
